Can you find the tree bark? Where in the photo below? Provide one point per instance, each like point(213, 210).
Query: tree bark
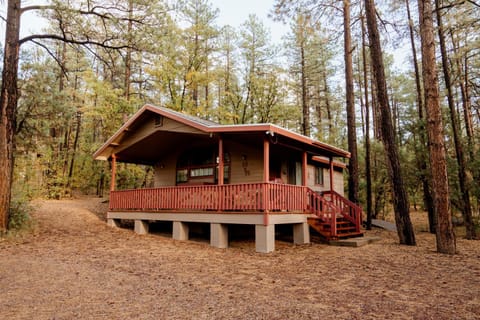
point(305, 109)
point(462, 165)
point(368, 170)
point(421, 158)
point(128, 55)
point(400, 197)
point(351, 126)
point(327, 104)
point(445, 236)
point(8, 107)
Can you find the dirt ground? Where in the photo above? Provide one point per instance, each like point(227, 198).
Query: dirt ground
point(75, 267)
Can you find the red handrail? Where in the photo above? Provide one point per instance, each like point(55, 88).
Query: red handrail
point(348, 209)
point(232, 197)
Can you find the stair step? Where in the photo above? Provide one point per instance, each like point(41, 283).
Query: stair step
point(350, 234)
point(346, 228)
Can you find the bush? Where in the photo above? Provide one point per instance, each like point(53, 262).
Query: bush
point(19, 215)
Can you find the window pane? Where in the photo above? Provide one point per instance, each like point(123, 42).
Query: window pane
point(182, 175)
point(318, 175)
point(201, 172)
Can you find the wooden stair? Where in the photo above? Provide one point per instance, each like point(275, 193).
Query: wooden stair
point(345, 228)
point(333, 216)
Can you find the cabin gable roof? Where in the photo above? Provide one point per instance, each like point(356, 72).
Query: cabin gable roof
point(157, 124)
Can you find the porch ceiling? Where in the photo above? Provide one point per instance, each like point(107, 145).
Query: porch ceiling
point(152, 148)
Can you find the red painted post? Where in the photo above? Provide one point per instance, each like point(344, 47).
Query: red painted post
point(331, 175)
point(304, 169)
point(220, 161)
point(266, 160)
point(266, 179)
point(114, 172)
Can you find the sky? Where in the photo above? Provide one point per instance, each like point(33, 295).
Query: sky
point(232, 12)
point(235, 12)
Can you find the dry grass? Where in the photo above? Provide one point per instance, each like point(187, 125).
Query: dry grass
point(74, 266)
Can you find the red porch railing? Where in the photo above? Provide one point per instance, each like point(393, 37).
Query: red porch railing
point(320, 207)
point(253, 197)
point(347, 209)
point(234, 197)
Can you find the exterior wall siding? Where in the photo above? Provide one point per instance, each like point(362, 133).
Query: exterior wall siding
point(337, 180)
point(246, 166)
point(246, 163)
point(165, 171)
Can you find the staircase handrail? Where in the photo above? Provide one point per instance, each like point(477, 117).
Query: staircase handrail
point(349, 210)
point(323, 209)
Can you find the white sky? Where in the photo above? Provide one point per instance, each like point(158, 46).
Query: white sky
point(232, 12)
point(235, 12)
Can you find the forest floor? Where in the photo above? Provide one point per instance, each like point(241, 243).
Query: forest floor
point(72, 266)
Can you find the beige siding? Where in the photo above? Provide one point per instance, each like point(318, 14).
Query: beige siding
point(149, 127)
point(246, 163)
point(165, 171)
point(337, 180)
point(174, 126)
point(246, 167)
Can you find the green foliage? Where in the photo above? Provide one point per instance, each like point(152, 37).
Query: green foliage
point(19, 215)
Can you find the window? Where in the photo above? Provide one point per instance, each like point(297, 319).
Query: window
point(200, 165)
point(319, 175)
point(158, 121)
point(182, 175)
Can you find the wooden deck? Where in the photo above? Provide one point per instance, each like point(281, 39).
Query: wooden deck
point(329, 213)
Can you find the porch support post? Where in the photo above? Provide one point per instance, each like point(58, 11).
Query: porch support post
point(304, 168)
point(266, 160)
point(264, 238)
point(141, 227)
point(266, 179)
point(220, 162)
point(115, 223)
point(219, 235)
point(114, 172)
point(180, 230)
point(301, 233)
point(331, 173)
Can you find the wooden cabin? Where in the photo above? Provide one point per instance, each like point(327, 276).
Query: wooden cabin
point(248, 174)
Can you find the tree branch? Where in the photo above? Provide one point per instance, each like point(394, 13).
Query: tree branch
point(474, 3)
point(62, 67)
point(103, 44)
point(37, 7)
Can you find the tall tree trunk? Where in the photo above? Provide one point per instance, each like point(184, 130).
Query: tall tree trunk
point(445, 236)
point(368, 170)
point(351, 126)
point(467, 108)
point(327, 105)
point(462, 165)
point(128, 55)
point(303, 77)
point(420, 157)
point(8, 108)
point(75, 145)
point(400, 197)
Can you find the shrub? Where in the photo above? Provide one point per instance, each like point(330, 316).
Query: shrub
point(19, 215)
